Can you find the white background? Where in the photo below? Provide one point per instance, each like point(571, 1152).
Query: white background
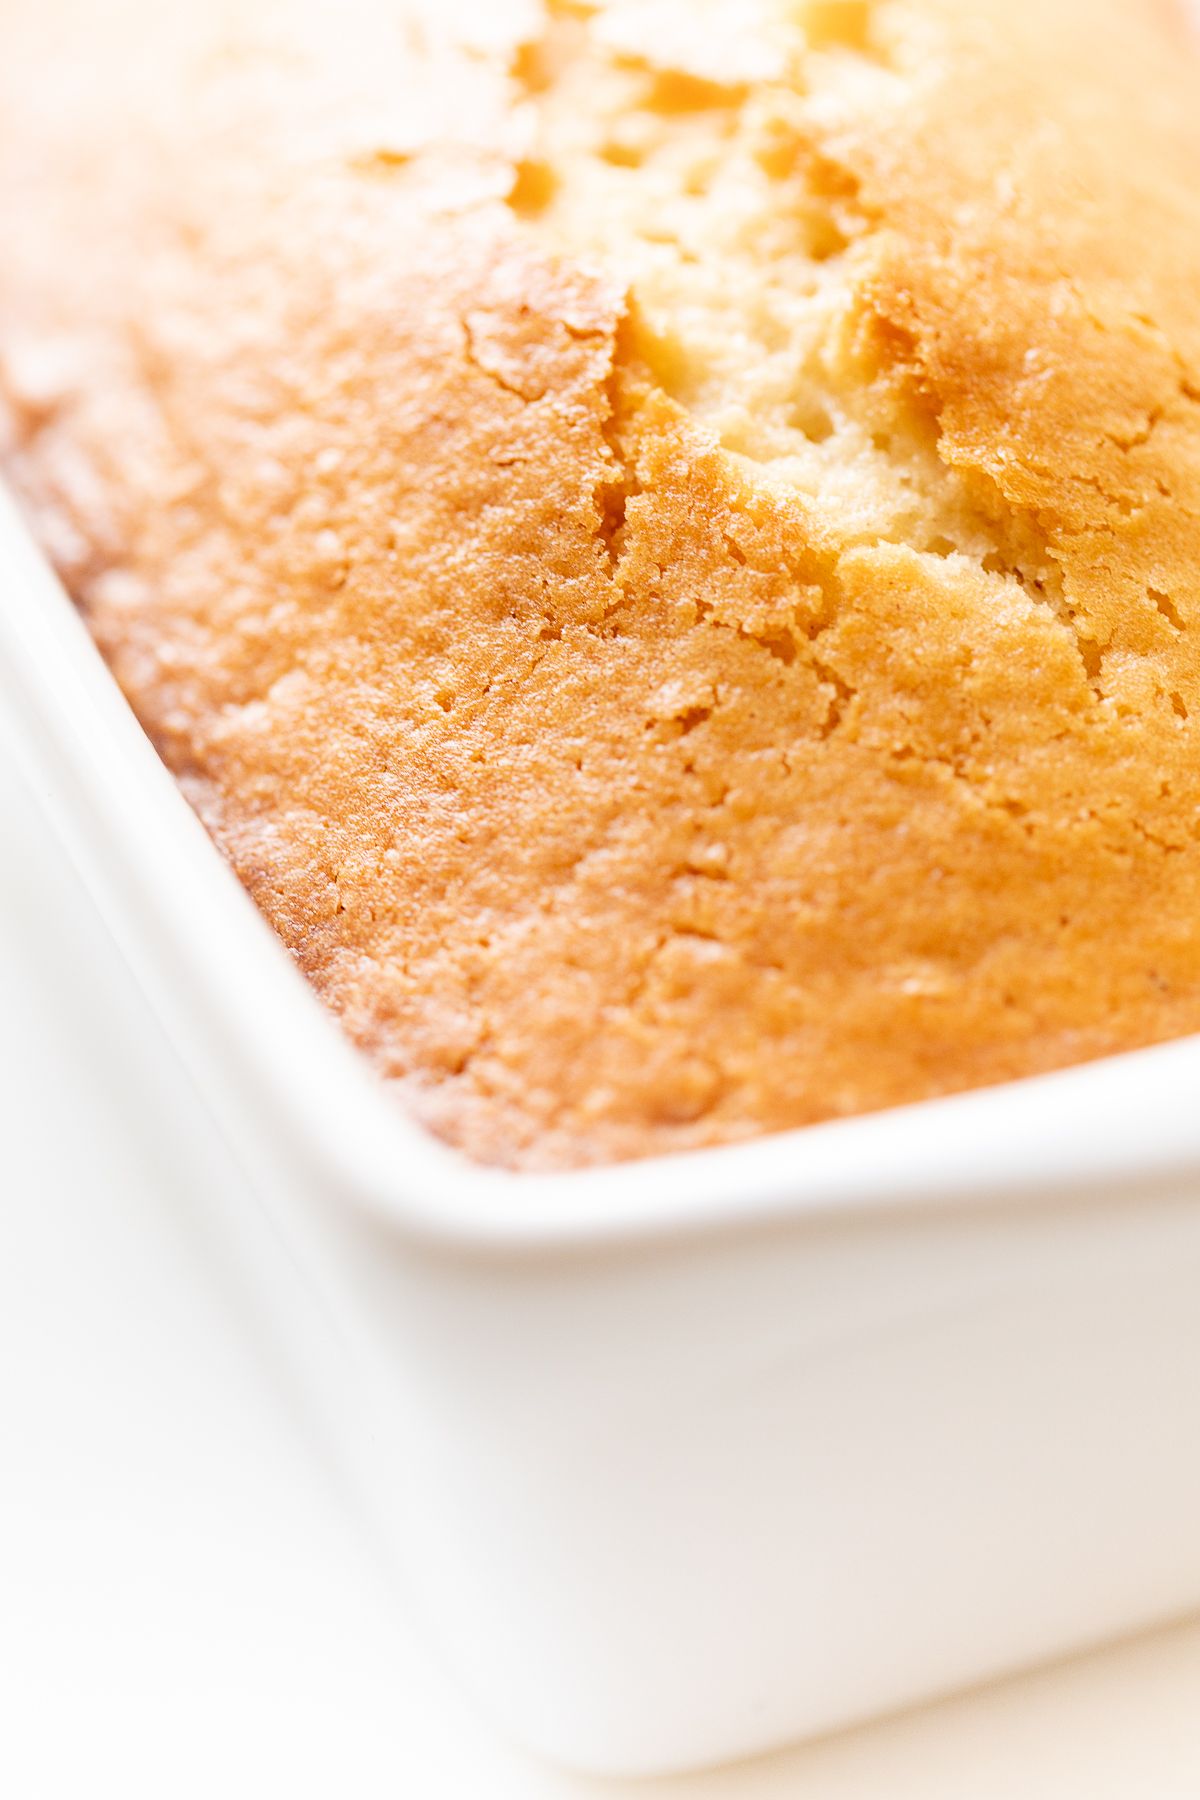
point(188, 1605)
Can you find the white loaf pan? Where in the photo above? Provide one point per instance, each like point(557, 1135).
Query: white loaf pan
point(690, 1457)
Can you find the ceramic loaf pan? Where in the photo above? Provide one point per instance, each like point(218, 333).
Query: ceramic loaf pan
point(690, 1457)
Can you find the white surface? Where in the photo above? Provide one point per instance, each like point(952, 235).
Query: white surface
point(187, 1605)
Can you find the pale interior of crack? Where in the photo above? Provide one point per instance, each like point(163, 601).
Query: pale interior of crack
point(685, 154)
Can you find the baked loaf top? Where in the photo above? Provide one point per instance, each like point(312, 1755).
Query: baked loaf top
point(662, 539)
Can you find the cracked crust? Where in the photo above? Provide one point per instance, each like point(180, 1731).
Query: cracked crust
point(662, 541)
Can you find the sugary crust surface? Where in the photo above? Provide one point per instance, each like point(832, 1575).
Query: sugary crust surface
point(665, 551)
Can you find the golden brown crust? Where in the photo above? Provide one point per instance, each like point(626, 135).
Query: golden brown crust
point(623, 780)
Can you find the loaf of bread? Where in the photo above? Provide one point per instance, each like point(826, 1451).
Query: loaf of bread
point(661, 538)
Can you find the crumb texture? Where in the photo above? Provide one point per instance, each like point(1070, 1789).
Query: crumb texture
point(662, 538)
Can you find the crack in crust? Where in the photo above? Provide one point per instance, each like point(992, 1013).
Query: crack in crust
point(647, 123)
